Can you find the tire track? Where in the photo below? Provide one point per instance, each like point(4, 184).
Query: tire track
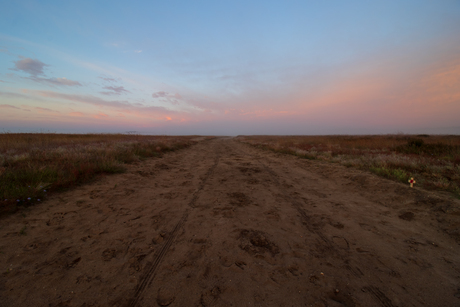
point(307, 221)
point(297, 205)
point(151, 269)
point(380, 296)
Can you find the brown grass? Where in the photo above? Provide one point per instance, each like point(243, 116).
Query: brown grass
point(433, 161)
point(33, 165)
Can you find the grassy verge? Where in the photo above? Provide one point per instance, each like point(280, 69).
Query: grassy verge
point(34, 165)
point(433, 161)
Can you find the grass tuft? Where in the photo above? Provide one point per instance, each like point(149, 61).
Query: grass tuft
point(396, 174)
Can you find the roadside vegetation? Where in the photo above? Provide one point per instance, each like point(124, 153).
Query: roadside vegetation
point(433, 160)
point(36, 164)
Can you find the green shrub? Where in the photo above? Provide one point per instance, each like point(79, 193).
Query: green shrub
point(400, 175)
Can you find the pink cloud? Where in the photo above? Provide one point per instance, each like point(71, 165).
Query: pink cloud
point(77, 114)
point(100, 115)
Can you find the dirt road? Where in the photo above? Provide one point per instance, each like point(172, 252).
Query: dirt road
point(225, 224)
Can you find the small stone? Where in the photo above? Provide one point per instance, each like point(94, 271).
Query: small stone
point(165, 297)
point(157, 239)
point(407, 216)
point(457, 294)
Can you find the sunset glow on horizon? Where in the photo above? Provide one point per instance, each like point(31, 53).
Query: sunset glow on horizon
point(214, 68)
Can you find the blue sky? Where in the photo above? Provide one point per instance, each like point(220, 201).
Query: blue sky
point(215, 67)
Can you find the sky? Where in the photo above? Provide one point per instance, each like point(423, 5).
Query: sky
point(230, 67)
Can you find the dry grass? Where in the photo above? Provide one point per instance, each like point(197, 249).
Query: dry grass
point(434, 161)
point(33, 165)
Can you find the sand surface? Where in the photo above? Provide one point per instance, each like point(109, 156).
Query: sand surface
point(224, 224)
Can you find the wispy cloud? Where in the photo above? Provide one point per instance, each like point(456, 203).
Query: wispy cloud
point(45, 110)
point(137, 51)
point(77, 114)
point(167, 97)
point(115, 90)
point(33, 67)
point(56, 81)
point(7, 106)
point(120, 106)
point(117, 44)
point(159, 94)
point(108, 79)
point(85, 99)
point(17, 95)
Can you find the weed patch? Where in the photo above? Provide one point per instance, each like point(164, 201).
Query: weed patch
point(33, 165)
point(434, 160)
point(396, 174)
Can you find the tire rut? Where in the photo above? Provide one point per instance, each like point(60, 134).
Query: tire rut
point(297, 205)
point(379, 296)
point(307, 222)
point(151, 269)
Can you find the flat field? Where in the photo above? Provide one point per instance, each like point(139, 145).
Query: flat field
point(227, 223)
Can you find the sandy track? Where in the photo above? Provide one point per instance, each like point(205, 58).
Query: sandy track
point(224, 224)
